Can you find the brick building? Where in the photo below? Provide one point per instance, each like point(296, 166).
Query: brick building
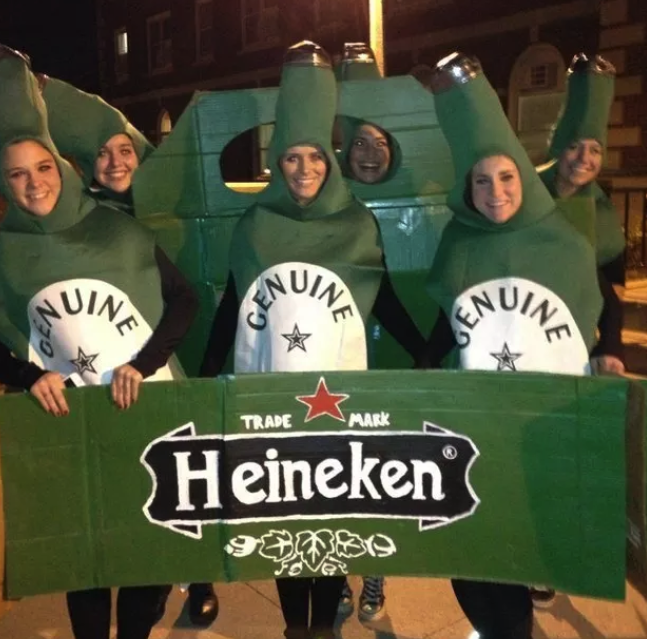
point(155, 53)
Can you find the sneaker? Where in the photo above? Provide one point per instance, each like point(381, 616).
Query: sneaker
point(371, 601)
point(346, 605)
point(542, 597)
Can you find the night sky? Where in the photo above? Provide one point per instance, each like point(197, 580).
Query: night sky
point(59, 36)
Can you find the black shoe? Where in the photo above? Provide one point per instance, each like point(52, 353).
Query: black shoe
point(542, 597)
point(203, 604)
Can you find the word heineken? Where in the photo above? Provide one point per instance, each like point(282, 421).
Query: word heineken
point(244, 478)
point(301, 282)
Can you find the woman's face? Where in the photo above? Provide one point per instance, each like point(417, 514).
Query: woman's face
point(496, 188)
point(304, 169)
point(116, 163)
point(32, 175)
point(370, 154)
point(580, 163)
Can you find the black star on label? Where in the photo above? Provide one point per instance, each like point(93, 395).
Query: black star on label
point(84, 362)
point(296, 339)
point(506, 359)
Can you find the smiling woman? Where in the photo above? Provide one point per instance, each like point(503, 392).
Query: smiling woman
point(116, 163)
point(33, 177)
point(305, 169)
point(496, 188)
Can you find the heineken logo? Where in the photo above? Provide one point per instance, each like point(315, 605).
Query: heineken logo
point(515, 324)
point(244, 478)
point(291, 314)
point(73, 321)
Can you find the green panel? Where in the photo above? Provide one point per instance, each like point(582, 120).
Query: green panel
point(550, 477)
point(216, 236)
point(220, 117)
point(169, 182)
point(637, 488)
point(192, 349)
point(182, 241)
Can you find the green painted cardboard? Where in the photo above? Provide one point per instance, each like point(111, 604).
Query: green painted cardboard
point(549, 479)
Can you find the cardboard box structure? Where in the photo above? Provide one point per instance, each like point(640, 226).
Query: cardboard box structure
point(180, 193)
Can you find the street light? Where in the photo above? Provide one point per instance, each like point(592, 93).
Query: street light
point(376, 32)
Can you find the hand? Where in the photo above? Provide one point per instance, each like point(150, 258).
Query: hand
point(125, 385)
point(48, 390)
point(607, 365)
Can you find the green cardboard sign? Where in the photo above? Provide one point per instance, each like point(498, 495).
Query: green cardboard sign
point(497, 476)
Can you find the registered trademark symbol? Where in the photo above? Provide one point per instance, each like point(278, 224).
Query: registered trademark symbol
point(449, 452)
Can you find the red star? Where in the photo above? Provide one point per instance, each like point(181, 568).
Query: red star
point(323, 402)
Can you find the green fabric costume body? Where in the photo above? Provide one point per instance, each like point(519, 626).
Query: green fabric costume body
point(584, 116)
point(79, 288)
point(306, 276)
point(608, 237)
point(80, 124)
point(521, 295)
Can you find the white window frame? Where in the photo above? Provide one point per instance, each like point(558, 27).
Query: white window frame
point(154, 20)
point(199, 30)
point(121, 59)
point(270, 13)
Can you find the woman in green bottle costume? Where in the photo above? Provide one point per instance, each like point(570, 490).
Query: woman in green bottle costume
point(84, 295)
point(306, 271)
point(108, 150)
point(576, 154)
point(516, 283)
point(102, 142)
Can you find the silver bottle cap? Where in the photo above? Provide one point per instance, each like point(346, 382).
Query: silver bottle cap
point(581, 63)
point(358, 52)
point(455, 69)
point(307, 54)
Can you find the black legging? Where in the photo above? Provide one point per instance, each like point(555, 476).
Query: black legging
point(137, 611)
point(296, 595)
point(496, 611)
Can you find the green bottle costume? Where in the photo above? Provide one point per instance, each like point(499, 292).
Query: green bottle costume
point(80, 124)
point(307, 276)
point(79, 289)
point(521, 295)
point(584, 116)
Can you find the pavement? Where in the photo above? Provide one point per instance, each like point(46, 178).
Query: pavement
point(417, 608)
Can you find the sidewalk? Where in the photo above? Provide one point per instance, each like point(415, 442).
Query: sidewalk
point(417, 609)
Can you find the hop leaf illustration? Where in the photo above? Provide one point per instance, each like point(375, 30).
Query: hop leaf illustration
point(277, 545)
point(380, 545)
point(349, 544)
point(314, 546)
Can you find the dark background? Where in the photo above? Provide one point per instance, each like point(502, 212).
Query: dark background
point(59, 36)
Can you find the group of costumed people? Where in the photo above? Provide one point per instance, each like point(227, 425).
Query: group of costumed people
point(543, 284)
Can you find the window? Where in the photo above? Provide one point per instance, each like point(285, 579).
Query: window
point(204, 29)
point(260, 23)
point(164, 125)
point(160, 50)
point(264, 138)
point(542, 76)
point(121, 55)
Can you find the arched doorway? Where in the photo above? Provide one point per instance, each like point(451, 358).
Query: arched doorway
point(536, 94)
